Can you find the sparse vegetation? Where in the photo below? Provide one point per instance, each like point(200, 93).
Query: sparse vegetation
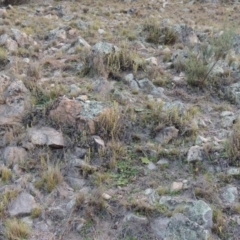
point(158, 34)
point(16, 229)
point(233, 145)
point(5, 174)
point(50, 179)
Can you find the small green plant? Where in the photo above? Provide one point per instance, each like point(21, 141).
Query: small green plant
point(16, 229)
point(196, 71)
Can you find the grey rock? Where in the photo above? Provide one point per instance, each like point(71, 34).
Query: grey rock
point(136, 219)
point(22, 38)
point(82, 25)
point(195, 153)
point(75, 183)
point(227, 121)
point(159, 227)
point(104, 48)
point(22, 205)
point(234, 91)
point(103, 86)
point(128, 78)
point(163, 162)
point(146, 85)
point(177, 106)
point(74, 90)
point(233, 171)
point(151, 166)
point(180, 227)
point(229, 195)
point(82, 42)
point(14, 101)
point(14, 155)
point(58, 33)
point(200, 140)
point(166, 135)
point(80, 152)
point(45, 136)
point(199, 212)
point(179, 57)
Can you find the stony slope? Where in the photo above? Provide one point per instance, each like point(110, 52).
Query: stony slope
point(119, 120)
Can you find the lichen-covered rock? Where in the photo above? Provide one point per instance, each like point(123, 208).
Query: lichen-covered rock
point(229, 195)
point(180, 227)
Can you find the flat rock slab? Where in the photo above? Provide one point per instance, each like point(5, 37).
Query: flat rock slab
point(22, 205)
point(46, 136)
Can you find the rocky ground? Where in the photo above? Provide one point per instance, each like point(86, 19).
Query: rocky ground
point(119, 120)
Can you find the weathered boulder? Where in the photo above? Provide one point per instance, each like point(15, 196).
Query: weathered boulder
point(66, 111)
point(22, 205)
point(81, 114)
point(45, 136)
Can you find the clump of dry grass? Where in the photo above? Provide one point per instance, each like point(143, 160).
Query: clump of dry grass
point(157, 34)
point(110, 122)
point(3, 56)
point(233, 145)
point(50, 179)
point(16, 229)
point(5, 174)
point(113, 64)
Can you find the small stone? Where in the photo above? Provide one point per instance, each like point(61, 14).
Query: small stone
point(151, 166)
point(101, 31)
point(152, 60)
point(128, 78)
point(106, 196)
point(226, 114)
point(163, 162)
point(99, 141)
point(195, 153)
point(176, 186)
point(148, 191)
point(82, 98)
